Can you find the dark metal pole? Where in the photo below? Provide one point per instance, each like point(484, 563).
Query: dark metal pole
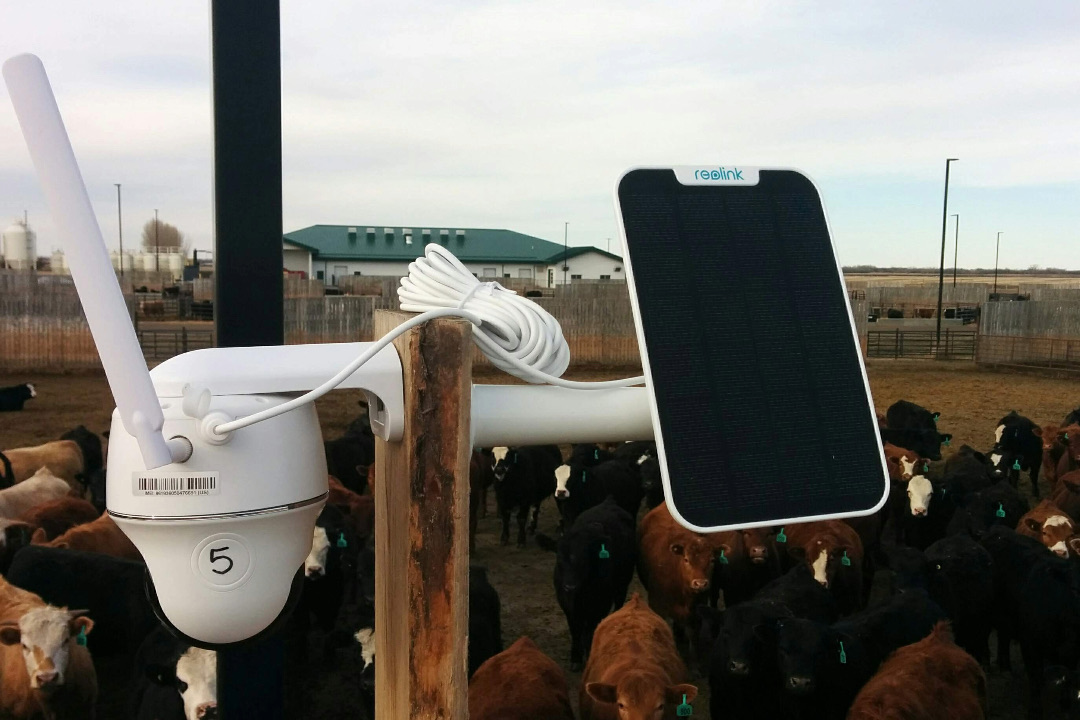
point(956, 246)
point(120, 224)
point(941, 268)
point(157, 248)
point(997, 252)
point(248, 285)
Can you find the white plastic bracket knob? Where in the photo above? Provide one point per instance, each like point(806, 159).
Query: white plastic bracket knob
point(207, 428)
point(196, 402)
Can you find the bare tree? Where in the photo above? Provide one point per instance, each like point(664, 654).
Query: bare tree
point(166, 236)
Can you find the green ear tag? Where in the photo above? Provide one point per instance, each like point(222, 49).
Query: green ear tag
point(925, 468)
point(845, 561)
point(582, 476)
point(80, 639)
point(723, 560)
point(948, 442)
point(604, 554)
point(1000, 512)
point(596, 454)
point(781, 537)
point(1016, 464)
point(684, 709)
point(843, 655)
point(936, 416)
point(342, 542)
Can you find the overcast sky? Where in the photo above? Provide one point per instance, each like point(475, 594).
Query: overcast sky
point(522, 114)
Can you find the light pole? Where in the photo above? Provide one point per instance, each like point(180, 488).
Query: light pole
point(955, 248)
point(997, 253)
point(157, 248)
point(566, 250)
point(941, 268)
point(120, 224)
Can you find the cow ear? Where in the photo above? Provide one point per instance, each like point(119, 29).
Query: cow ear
point(1074, 544)
point(678, 694)
point(10, 634)
point(1032, 524)
point(602, 692)
point(39, 537)
point(1037, 431)
point(81, 625)
point(677, 548)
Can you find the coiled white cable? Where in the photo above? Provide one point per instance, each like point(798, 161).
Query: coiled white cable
point(516, 334)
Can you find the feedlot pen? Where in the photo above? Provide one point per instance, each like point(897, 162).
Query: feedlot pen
point(970, 400)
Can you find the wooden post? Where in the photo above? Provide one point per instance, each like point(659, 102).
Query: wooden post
point(422, 529)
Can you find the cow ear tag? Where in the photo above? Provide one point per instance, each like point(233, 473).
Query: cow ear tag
point(583, 476)
point(781, 537)
point(845, 561)
point(1000, 512)
point(80, 639)
point(723, 560)
point(596, 454)
point(684, 709)
point(843, 655)
point(342, 542)
point(925, 468)
point(604, 554)
point(1016, 464)
point(936, 416)
point(948, 442)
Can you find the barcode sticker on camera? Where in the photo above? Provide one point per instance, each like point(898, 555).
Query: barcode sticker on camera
point(176, 484)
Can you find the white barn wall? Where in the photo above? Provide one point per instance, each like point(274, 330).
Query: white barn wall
point(590, 266)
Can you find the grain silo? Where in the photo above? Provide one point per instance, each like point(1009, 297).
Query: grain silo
point(175, 265)
point(58, 263)
point(20, 246)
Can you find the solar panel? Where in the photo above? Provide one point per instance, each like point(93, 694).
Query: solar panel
point(761, 407)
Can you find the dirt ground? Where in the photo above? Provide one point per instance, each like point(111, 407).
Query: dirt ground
point(970, 401)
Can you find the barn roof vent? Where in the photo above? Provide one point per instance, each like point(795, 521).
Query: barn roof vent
point(352, 234)
point(389, 232)
point(444, 235)
point(460, 235)
point(371, 233)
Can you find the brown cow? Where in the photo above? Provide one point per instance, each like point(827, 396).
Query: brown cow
point(41, 487)
point(64, 458)
point(58, 516)
point(520, 683)
point(1053, 448)
point(44, 671)
point(932, 679)
point(1048, 524)
point(674, 565)
point(634, 671)
point(1066, 493)
point(903, 463)
point(833, 551)
point(1069, 437)
point(359, 509)
point(100, 536)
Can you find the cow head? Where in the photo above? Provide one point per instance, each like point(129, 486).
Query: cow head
point(328, 538)
point(501, 460)
point(759, 544)
point(32, 389)
point(802, 648)
point(562, 475)
point(825, 554)
point(366, 638)
point(697, 561)
point(641, 695)
point(919, 492)
point(1054, 532)
point(1050, 435)
point(1070, 436)
point(748, 638)
point(196, 680)
point(315, 562)
point(47, 635)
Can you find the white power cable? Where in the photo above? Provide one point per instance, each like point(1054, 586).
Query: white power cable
point(516, 334)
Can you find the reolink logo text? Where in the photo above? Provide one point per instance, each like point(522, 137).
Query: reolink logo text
point(720, 174)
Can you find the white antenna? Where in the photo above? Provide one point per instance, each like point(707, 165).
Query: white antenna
point(102, 300)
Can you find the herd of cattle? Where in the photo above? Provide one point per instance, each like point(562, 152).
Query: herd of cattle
point(778, 619)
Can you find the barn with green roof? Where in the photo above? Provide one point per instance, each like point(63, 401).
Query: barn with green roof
point(330, 252)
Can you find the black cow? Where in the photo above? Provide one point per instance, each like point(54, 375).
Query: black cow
point(652, 483)
point(999, 504)
point(173, 680)
point(1037, 598)
point(485, 618)
point(324, 581)
point(349, 456)
point(742, 669)
point(1018, 448)
point(578, 488)
point(593, 570)
point(95, 489)
point(12, 398)
point(958, 575)
point(14, 536)
point(823, 667)
point(1073, 418)
point(927, 443)
point(524, 477)
point(588, 454)
point(111, 589)
point(905, 415)
point(90, 444)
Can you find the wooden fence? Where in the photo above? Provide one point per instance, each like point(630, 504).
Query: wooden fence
point(1045, 318)
point(1054, 354)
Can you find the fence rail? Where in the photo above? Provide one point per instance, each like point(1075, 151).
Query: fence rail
point(1059, 354)
point(164, 344)
point(955, 344)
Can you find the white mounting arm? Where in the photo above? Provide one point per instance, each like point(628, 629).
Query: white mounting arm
point(99, 292)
